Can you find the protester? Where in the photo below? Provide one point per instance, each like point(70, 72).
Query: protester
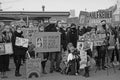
point(56, 56)
point(72, 35)
point(7, 38)
point(102, 49)
point(73, 61)
point(45, 55)
point(19, 51)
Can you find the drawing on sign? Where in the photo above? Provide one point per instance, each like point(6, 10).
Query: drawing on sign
point(39, 42)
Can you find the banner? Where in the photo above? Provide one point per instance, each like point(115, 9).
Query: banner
point(46, 41)
point(6, 48)
point(33, 68)
point(21, 42)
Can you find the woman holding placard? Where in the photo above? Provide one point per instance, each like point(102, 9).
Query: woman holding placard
point(18, 49)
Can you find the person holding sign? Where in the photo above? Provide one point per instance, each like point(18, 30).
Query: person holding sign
point(7, 38)
point(19, 51)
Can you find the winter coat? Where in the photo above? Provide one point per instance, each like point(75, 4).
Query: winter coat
point(18, 50)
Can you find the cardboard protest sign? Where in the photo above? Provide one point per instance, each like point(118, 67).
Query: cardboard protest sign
point(33, 68)
point(83, 56)
point(29, 32)
point(8, 48)
point(84, 45)
point(2, 49)
point(21, 42)
point(98, 43)
point(46, 41)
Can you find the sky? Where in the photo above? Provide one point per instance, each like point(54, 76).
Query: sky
point(56, 5)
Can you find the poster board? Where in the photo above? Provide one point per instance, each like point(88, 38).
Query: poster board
point(83, 56)
point(29, 32)
point(21, 42)
point(33, 68)
point(6, 48)
point(46, 41)
point(2, 49)
point(85, 45)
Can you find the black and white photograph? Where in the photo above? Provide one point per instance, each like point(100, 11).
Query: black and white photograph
point(59, 39)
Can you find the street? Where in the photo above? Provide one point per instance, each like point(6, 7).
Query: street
point(99, 75)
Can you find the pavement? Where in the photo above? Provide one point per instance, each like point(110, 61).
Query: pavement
point(99, 75)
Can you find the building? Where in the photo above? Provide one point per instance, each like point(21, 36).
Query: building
point(33, 17)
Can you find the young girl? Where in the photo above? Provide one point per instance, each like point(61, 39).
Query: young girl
point(73, 61)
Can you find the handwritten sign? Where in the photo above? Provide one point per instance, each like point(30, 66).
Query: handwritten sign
point(83, 56)
point(6, 48)
point(29, 32)
point(33, 68)
point(21, 42)
point(46, 41)
point(2, 49)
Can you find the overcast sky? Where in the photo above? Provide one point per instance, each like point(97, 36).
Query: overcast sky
point(56, 5)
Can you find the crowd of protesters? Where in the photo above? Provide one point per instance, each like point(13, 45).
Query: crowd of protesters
point(69, 38)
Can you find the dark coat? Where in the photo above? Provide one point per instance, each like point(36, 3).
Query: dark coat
point(18, 50)
point(72, 36)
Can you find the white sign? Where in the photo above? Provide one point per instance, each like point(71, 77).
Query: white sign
point(83, 56)
point(8, 48)
point(21, 42)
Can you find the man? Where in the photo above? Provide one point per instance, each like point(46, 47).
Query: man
point(102, 49)
point(72, 35)
point(56, 56)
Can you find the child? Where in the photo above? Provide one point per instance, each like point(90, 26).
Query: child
point(73, 61)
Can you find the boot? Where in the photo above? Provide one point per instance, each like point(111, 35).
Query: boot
point(17, 74)
point(86, 72)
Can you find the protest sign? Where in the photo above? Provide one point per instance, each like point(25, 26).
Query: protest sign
point(46, 41)
point(8, 48)
point(29, 32)
point(83, 56)
point(33, 68)
point(21, 42)
point(2, 49)
point(84, 45)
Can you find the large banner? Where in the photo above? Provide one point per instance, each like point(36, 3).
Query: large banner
point(33, 68)
point(46, 41)
point(6, 48)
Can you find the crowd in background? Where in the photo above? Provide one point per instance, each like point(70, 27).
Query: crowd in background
point(69, 38)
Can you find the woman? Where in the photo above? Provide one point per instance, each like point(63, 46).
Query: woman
point(19, 51)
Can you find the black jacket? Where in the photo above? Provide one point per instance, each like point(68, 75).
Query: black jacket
point(18, 50)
